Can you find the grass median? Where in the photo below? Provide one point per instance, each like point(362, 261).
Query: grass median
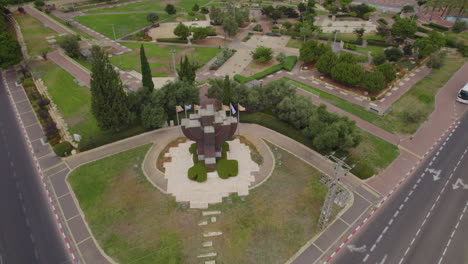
point(34, 34)
point(150, 5)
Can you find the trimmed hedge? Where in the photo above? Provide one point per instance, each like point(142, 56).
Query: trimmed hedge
point(349, 46)
point(382, 21)
point(63, 149)
point(423, 30)
point(198, 172)
point(101, 139)
point(287, 65)
point(172, 40)
point(227, 168)
point(436, 26)
point(379, 43)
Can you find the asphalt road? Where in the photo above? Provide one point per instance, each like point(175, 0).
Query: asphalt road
point(426, 221)
point(28, 233)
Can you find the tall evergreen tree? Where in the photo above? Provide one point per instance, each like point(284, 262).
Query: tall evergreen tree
point(147, 79)
point(187, 70)
point(109, 103)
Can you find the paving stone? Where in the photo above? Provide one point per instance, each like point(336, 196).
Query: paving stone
point(213, 219)
point(207, 244)
point(204, 223)
point(212, 234)
point(207, 255)
point(210, 262)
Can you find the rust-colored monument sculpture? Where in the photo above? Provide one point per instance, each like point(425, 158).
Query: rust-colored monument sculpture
point(210, 129)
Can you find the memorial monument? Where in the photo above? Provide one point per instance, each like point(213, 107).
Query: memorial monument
point(209, 129)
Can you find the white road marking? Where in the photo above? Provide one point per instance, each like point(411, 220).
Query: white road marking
point(453, 232)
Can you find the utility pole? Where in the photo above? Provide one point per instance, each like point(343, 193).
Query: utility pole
point(115, 39)
point(341, 169)
point(173, 51)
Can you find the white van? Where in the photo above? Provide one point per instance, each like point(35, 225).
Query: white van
point(463, 94)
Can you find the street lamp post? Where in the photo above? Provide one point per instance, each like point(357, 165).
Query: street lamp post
point(115, 40)
point(173, 51)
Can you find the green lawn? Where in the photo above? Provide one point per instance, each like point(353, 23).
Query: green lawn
point(415, 106)
point(124, 23)
point(347, 106)
point(132, 220)
point(76, 30)
point(373, 49)
point(159, 58)
point(372, 155)
point(294, 43)
point(73, 101)
point(185, 17)
point(151, 5)
point(34, 34)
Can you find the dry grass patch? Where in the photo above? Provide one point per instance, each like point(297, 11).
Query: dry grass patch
point(34, 34)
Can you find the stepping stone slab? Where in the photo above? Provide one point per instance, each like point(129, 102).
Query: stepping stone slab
point(212, 234)
point(210, 262)
point(204, 223)
point(213, 219)
point(208, 255)
point(207, 244)
point(208, 213)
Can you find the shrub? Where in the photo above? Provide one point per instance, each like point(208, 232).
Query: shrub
point(378, 59)
point(198, 172)
point(388, 72)
point(348, 73)
point(170, 9)
point(437, 26)
point(393, 54)
point(63, 149)
point(436, 60)
point(204, 10)
point(227, 168)
point(39, 3)
point(289, 63)
point(423, 30)
point(407, 9)
point(71, 46)
point(95, 141)
point(459, 26)
point(242, 79)
point(221, 58)
point(191, 13)
point(262, 54)
point(374, 81)
point(266, 72)
point(173, 40)
point(349, 46)
point(382, 21)
point(43, 102)
point(281, 57)
point(374, 42)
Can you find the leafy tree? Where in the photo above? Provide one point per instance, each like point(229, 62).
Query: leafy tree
point(195, 7)
point(344, 4)
point(187, 70)
point(227, 90)
point(262, 54)
point(379, 58)
point(307, 52)
point(305, 31)
point(152, 17)
point(436, 60)
point(70, 44)
point(437, 39)
point(267, 10)
point(109, 103)
point(296, 110)
point(331, 132)
point(204, 10)
point(393, 54)
point(424, 47)
point(374, 81)
point(200, 32)
point(459, 26)
point(359, 33)
point(287, 25)
point(230, 25)
point(10, 53)
point(275, 15)
point(408, 49)
point(407, 9)
point(176, 93)
point(348, 73)
point(363, 10)
point(326, 62)
point(170, 9)
point(39, 3)
point(153, 114)
point(404, 28)
point(348, 58)
point(147, 78)
point(388, 72)
point(182, 31)
point(383, 30)
point(301, 7)
point(216, 15)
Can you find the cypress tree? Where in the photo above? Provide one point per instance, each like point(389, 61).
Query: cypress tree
point(109, 103)
point(147, 79)
point(187, 70)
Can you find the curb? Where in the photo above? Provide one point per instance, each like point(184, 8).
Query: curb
point(41, 174)
point(453, 126)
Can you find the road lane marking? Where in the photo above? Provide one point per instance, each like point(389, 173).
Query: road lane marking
point(453, 233)
point(409, 151)
point(53, 166)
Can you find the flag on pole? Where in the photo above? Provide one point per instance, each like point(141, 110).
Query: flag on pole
point(188, 107)
point(233, 110)
point(226, 108)
point(197, 107)
point(179, 108)
point(240, 108)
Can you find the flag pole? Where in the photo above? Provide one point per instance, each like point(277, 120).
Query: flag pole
point(238, 120)
point(178, 123)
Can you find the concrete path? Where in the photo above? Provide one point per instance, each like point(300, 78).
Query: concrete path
point(70, 66)
point(49, 22)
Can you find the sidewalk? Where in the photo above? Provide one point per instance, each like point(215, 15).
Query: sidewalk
point(447, 110)
point(47, 20)
point(79, 73)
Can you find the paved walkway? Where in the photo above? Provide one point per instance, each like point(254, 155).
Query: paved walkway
point(61, 29)
point(78, 72)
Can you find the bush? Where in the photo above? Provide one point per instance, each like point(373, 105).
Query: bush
point(39, 3)
point(204, 10)
point(459, 26)
point(258, 28)
point(423, 30)
point(191, 13)
point(266, 72)
point(349, 46)
point(63, 149)
point(436, 60)
point(198, 172)
point(379, 59)
point(363, 170)
point(388, 71)
point(393, 54)
point(221, 58)
point(97, 140)
point(289, 63)
point(374, 82)
point(437, 26)
point(348, 73)
point(170, 9)
point(172, 40)
point(382, 21)
point(379, 43)
point(71, 46)
point(43, 102)
point(242, 79)
point(227, 168)
point(262, 54)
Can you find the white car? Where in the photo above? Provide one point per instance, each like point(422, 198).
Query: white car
point(463, 94)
